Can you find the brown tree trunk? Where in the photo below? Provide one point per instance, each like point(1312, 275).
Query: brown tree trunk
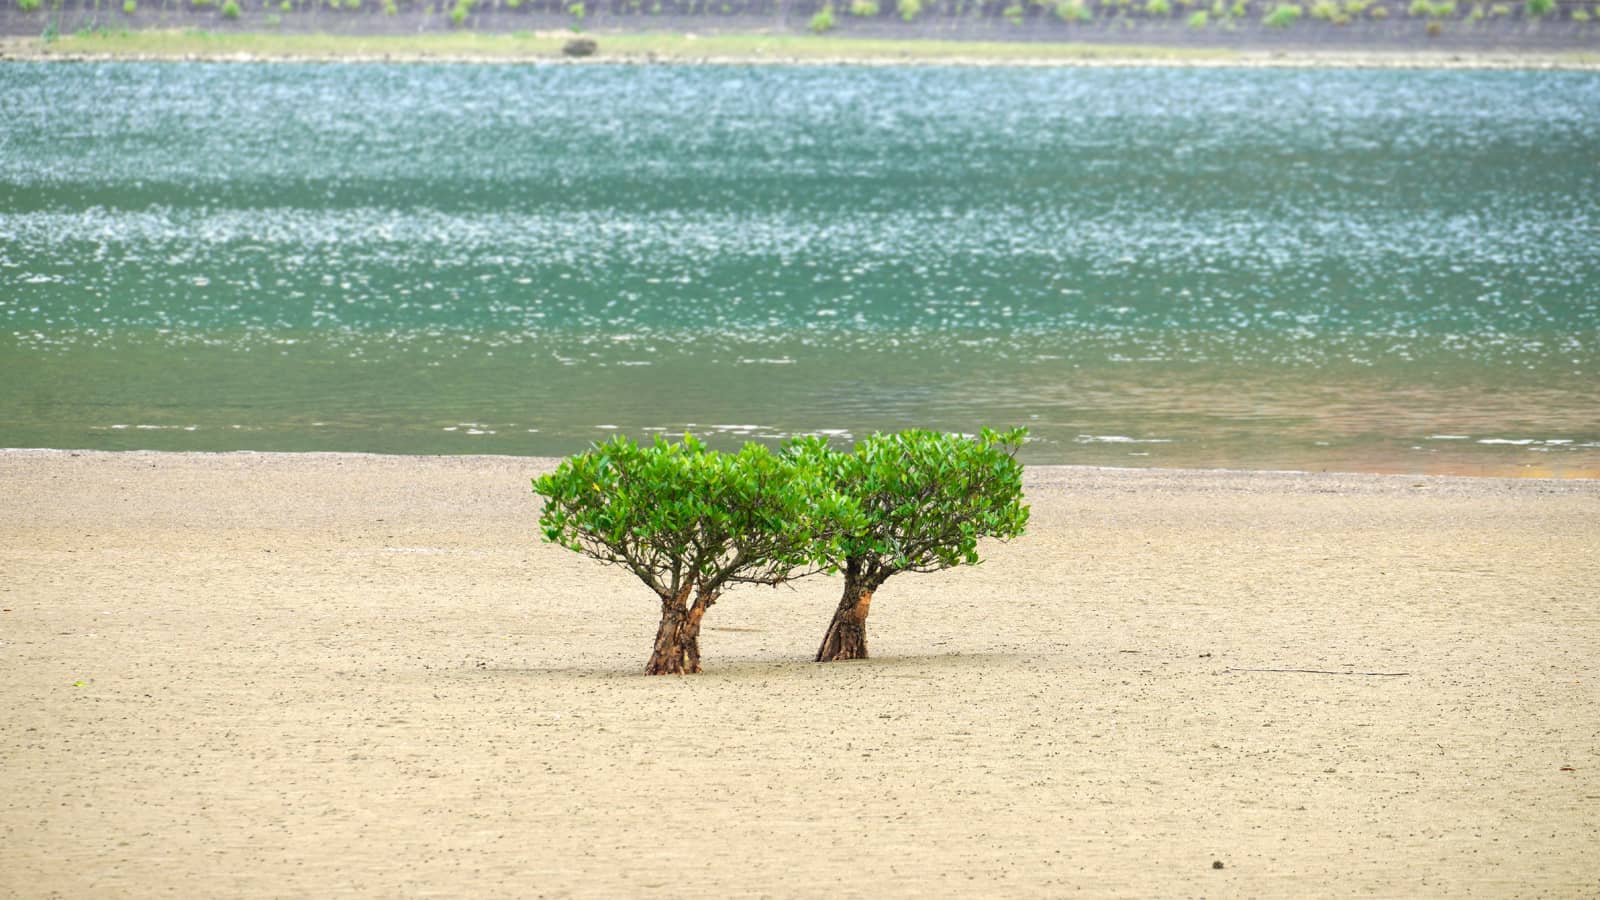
point(847, 634)
point(677, 649)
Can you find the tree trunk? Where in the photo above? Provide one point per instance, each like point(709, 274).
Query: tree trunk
point(691, 630)
point(847, 634)
point(677, 649)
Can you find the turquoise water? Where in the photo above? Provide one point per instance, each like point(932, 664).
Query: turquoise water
point(1359, 270)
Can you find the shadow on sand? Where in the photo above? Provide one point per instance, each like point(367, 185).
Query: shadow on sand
point(917, 665)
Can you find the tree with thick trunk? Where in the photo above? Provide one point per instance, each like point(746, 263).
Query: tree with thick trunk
point(924, 500)
point(690, 523)
point(847, 633)
point(677, 647)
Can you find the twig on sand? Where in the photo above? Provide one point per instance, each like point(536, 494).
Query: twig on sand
point(1321, 672)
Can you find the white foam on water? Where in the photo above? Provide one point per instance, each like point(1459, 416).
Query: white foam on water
point(1117, 439)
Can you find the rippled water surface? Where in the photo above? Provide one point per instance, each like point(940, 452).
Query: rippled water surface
point(1394, 271)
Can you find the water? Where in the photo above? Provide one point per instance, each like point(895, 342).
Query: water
point(1356, 270)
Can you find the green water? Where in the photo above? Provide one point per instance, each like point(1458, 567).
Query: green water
point(1369, 270)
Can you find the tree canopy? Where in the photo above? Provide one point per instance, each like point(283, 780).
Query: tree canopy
point(687, 519)
point(925, 497)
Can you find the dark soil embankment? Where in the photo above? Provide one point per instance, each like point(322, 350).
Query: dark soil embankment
point(1376, 25)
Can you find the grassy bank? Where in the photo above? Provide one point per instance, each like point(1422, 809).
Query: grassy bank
point(190, 43)
point(750, 47)
point(530, 46)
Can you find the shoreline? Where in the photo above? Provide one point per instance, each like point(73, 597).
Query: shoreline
point(644, 48)
point(544, 463)
point(267, 674)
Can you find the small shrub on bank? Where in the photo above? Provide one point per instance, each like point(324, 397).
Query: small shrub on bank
point(1441, 9)
point(130, 6)
point(865, 9)
point(230, 9)
point(1379, 12)
point(1538, 9)
point(1324, 10)
point(1199, 20)
point(1013, 13)
point(390, 8)
point(822, 21)
point(1579, 15)
point(1158, 7)
point(1284, 15)
point(27, 5)
point(909, 9)
point(1073, 11)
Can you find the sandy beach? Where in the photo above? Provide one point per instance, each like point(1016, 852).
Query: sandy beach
point(346, 675)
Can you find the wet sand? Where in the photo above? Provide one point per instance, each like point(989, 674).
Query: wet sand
point(324, 675)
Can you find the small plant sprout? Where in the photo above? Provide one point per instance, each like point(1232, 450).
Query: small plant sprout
point(924, 500)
